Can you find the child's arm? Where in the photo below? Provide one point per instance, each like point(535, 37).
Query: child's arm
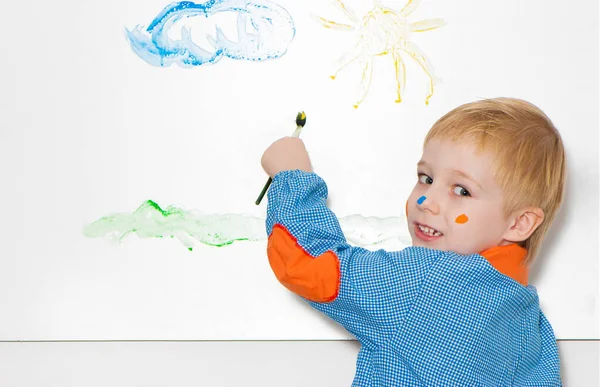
point(369, 293)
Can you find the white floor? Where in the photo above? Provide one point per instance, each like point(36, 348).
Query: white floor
point(214, 364)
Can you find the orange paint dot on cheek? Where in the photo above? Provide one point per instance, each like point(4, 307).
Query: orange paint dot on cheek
point(462, 219)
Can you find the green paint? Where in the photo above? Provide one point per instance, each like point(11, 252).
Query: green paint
point(191, 227)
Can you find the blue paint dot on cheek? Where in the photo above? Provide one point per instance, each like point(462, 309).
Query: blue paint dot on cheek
point(421, 200)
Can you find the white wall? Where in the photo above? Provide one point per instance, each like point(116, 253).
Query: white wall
point(218, 364)
point(89, 129)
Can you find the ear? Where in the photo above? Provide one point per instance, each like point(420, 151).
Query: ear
point(523, 223)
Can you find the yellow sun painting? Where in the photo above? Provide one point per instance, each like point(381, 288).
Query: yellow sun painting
point(383, 31)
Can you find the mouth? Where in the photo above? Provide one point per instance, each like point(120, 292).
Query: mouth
point(426, 233)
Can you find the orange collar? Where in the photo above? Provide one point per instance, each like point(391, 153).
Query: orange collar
point(508, 261)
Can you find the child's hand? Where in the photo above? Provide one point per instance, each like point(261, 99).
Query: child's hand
point(287, 153)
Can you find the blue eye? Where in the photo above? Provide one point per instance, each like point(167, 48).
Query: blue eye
point(423, 178)
point(460, 191)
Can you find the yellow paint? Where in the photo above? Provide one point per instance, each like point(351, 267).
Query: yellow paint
point(383, 31)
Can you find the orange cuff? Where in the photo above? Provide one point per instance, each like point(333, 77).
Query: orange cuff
point(314, 278)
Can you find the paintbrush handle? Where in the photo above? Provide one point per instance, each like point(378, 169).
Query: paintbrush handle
point(263, 192)
point(297, 131)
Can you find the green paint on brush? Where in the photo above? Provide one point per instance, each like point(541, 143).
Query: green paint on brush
point(189, 227)
point(192, 227)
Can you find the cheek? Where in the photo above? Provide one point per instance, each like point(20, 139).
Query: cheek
point(461, 219)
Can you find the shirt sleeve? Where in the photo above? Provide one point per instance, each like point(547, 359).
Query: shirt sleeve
point(368, 292)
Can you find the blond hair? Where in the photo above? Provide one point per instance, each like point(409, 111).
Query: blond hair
point(530, 157)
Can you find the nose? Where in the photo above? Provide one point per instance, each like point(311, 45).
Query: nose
point(427, 202)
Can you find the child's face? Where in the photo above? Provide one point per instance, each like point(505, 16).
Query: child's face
point(456, 195)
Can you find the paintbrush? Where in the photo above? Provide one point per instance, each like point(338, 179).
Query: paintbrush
point(300, 121)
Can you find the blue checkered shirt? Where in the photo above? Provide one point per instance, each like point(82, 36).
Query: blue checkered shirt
point(423, 317)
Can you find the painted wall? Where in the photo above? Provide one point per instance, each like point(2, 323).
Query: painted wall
point(97, 142)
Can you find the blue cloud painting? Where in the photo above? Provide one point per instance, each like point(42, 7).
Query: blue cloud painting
point(264, 31)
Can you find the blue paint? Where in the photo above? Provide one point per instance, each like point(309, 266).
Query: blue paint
point(421, 200)
point(272, 30)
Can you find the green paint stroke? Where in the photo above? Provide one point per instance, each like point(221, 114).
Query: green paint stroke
point(191, 227)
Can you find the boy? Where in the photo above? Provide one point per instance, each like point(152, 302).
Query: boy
point(454, 309)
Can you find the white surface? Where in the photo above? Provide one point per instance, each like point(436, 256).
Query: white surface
point(88, 129)
point(216, 364)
